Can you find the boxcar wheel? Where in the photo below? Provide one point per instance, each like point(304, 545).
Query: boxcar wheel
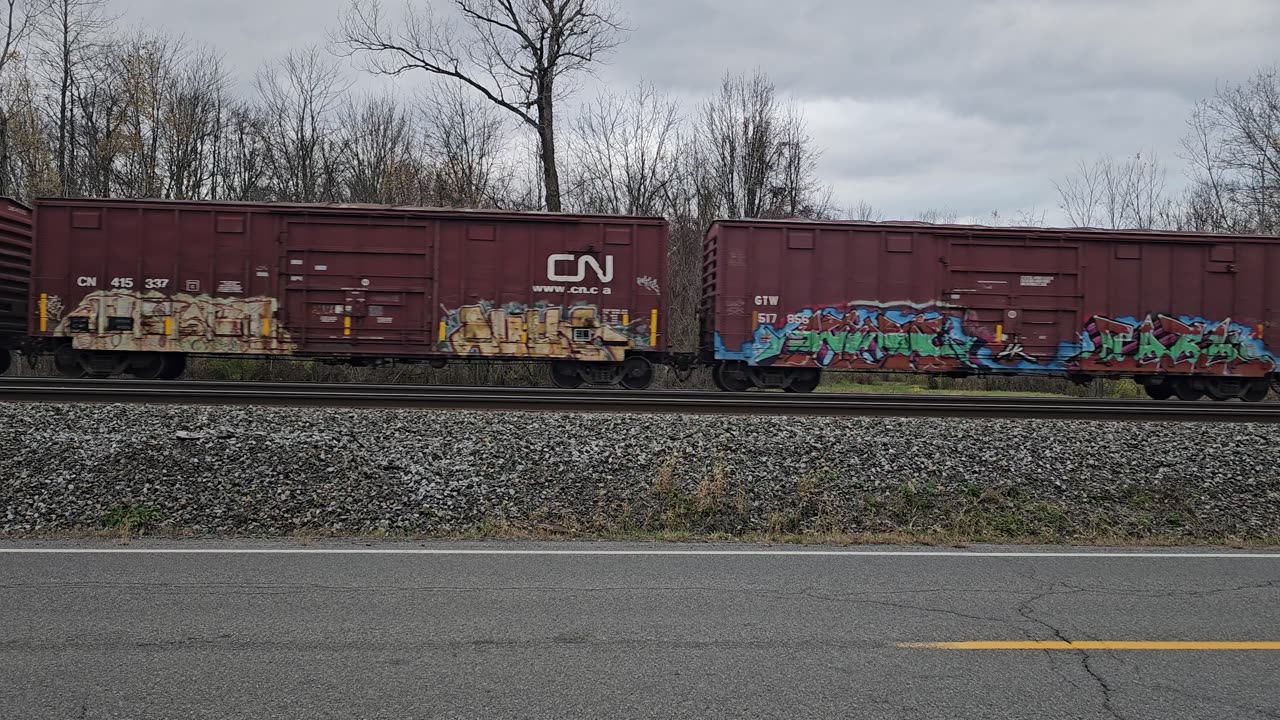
point(803, 381)
point(66, 360)
point(637, 373)
point(1216, 392)
point(6, 359)
point(149, 367)
point(729, 381)
point(1185, 391)
point(1162, 391)
point(174, 365)
point(565, 376)
point(1257, 391)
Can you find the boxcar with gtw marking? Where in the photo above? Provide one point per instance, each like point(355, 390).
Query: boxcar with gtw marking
point(137, 286)
point(1185, 314)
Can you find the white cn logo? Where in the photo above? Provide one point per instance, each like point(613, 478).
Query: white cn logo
point(578, 273)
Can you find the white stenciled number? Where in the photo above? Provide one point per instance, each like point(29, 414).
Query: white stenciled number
point(157, 283)
point(769, 318)
point(124, 283)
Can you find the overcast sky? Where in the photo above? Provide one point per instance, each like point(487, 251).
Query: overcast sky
point(966, 105)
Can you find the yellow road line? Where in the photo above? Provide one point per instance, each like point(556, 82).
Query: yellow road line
point(1094, 645)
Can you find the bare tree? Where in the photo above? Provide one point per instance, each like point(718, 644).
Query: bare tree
point(517, 54)
point(1032, 217)
point(29, 167)
point(465, 147)
point(1233, 147)
point(863, 210)
point(738, 136)
point(383, 166)
point(938, 216)
point(796, 191)
point(624, 153)
point(69, 33)
point(191, 126)
point(1128, 193)
point(299, 96)
point(146, 66)
point(241, 170)
point(101, 105)
point(761, 161)
point(1080, 195)
point(691, 202)
point(17, 19)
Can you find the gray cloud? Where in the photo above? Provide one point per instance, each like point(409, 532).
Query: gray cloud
point(925, 103)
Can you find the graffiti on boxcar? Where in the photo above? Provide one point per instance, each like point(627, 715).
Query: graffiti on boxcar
point(543, 330)
point(1173, 344)
point(53, 308)
point(154, 322)
point(874, 336)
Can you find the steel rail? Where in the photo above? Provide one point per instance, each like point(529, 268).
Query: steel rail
point(592, 400)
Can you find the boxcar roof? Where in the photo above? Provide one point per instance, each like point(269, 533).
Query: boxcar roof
point(328, 208)
point(1056, 233)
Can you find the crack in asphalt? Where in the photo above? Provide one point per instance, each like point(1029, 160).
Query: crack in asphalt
point(1027, 611)
point(1108, 590)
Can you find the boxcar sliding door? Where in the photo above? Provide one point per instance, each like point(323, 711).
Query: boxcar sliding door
point(1021, 295)
point(359, 287)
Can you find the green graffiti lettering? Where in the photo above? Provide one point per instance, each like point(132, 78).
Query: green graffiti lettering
point(1186, 348)
point(859, 341)
point(803, 341)
point(1112, 345)
point(776, 346)
point(1150, 349)
point(1223, 349)
point(917, 334)
point(895, 344)
point(1202, 344)
point(923, 344)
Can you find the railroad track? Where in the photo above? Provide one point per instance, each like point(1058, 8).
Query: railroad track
point(590, 400)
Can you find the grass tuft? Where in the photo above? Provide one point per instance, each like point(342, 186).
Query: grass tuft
point(131, 519)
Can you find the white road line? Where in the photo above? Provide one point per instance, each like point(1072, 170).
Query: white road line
point(638, 552)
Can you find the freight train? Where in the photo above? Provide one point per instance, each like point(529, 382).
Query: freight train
point(135, 287)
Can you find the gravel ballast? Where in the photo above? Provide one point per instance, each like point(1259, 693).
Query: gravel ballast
point(278, 471)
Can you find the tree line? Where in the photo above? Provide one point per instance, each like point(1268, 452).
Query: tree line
point(1232, 153)
point(91, 107)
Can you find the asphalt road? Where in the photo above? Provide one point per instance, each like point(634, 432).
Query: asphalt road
point(327, 633)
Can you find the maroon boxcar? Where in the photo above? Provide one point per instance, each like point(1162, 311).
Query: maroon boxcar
point(1183, 313)
point(137, 285)
point(15, 276)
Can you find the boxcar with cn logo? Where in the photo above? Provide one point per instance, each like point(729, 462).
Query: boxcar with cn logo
point(137, 286)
